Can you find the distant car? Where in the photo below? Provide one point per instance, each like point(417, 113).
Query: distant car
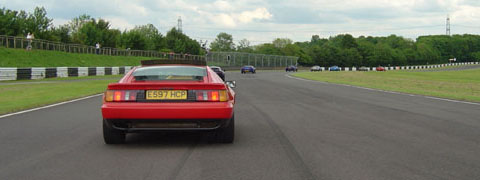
point(363, 68)
point(316, 68)
point(380, 68)
point(220, 72)
point(291, 68)
point(169, 95)
point(334, 68)
point(246, 69)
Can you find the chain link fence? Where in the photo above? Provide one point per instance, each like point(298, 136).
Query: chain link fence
point(238, 59)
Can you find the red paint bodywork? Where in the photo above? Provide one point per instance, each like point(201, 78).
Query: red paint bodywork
point(170, 110)
point(380, 68)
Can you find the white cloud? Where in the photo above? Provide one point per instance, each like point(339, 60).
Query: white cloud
point(257, 14)
point(264, 20)
point(224, 19)
point(223, 5)
point(119, 23)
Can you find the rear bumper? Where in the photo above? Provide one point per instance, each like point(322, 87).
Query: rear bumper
point(164, 110)
point(156, 125)
point(185, 116)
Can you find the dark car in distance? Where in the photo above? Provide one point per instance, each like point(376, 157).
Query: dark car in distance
point(220, 72)
point(248, 68)
point(291, 68)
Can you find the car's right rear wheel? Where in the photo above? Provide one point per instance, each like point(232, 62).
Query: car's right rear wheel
point(227, 133)
point(112, 136)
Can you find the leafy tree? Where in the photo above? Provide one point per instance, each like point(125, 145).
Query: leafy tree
point(281, 42)
point(350, 57)
point(267, 48)
point(476, 56)
point(61, 33)
point(244, 46)
point(223, 42)
point(144, 37)
point(38, 23)
point(427, 54)
point(9, 22)
point(180, 43)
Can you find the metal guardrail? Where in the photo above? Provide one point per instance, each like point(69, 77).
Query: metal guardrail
point(22, 43)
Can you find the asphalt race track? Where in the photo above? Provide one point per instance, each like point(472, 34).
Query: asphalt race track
point(285, 129)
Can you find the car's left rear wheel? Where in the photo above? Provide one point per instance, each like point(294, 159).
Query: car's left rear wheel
point(227, 133)
point(112, 136)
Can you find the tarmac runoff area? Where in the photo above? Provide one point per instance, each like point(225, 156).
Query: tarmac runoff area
point(286, 128)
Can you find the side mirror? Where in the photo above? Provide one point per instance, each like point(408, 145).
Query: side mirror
point(231, 84)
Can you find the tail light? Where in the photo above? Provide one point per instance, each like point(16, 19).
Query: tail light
point(211, 95)
point(120, 95)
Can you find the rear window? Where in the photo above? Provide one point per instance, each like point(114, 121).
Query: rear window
point(170, 73)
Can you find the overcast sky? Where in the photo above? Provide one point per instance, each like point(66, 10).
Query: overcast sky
point(261, 21)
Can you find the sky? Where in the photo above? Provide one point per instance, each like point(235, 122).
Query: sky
point(261, 21)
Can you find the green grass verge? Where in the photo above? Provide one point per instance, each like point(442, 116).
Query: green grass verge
point(17, 97)
point(41, 58)
point(460, 85)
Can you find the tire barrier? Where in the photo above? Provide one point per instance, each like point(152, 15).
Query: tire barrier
point(8, 74)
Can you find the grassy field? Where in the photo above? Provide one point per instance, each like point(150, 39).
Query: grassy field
point(459, 85)
point(40, 58)
point(30, 94)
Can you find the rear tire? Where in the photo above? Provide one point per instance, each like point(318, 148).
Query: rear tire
point(112, 136)
point(226, 134)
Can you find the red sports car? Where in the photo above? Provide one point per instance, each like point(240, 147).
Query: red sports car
point(169, 95)
point(380, 68)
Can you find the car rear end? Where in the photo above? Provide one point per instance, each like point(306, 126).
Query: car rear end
point(219, 72)
point(247, 69)
point(167, 98)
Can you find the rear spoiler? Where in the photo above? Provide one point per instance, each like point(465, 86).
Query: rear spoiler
point(165, 85)
point(176, 61)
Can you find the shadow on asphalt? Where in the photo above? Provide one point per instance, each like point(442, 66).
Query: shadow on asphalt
point(168, 139)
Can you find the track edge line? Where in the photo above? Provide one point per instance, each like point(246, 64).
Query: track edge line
point(391, 92)
point(49, 106)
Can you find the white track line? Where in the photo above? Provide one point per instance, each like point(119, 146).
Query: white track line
point(49, 106)
point(392, 92)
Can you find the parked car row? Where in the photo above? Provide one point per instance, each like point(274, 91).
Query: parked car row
point(336, 68)
point(251, 69)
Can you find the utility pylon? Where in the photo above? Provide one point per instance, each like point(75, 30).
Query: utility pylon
point(448, 25)
point(179, 25)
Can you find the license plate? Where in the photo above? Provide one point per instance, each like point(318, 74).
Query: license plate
point(166, 94)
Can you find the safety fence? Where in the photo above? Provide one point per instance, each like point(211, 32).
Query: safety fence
point(39, 44)
point(238, 59)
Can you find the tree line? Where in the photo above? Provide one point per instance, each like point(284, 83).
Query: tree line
point(86, 30)
point(346, 51)
point(342, 50)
